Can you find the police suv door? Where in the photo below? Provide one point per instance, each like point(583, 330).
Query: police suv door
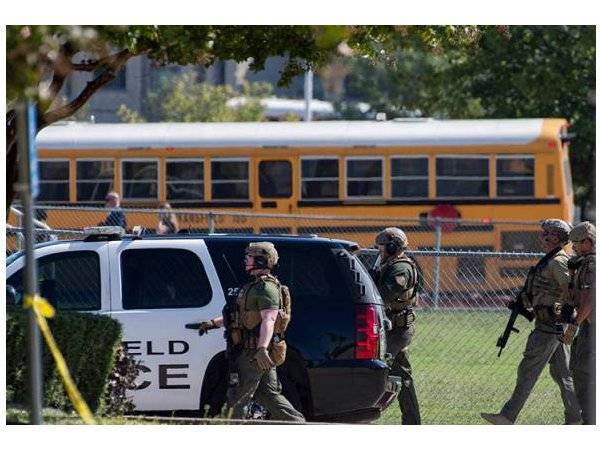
point(158, 286)
point(72, 275)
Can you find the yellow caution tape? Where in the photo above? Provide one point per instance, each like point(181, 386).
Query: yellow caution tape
point(43, 309)
point(41, 305)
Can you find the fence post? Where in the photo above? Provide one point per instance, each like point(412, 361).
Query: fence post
point(211, 222)
point(21, 233)
point(436, 268)
point(26, 132)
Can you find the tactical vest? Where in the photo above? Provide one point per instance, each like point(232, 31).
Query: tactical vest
point(544, 290)
point(582, 281)
point(408, 296)
point(250, 319)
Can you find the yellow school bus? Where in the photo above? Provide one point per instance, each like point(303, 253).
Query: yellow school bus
point(513, 169)
point(478, 172)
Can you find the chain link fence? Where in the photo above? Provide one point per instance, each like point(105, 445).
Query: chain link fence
point(424, 233)
point(467, 279)
point(456, 370)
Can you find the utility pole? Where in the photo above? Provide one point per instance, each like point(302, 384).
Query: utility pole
point(308, 95)
point(28, 189)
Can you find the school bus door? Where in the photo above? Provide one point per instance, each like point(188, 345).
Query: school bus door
point(275, 185)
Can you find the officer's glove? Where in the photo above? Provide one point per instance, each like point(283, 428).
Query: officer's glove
point(263, 359)
point(569, 334)
point(205, 326)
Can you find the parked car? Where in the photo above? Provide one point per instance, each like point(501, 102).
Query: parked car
point(155, 285)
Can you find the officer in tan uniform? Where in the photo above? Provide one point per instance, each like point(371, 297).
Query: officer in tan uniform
point(396, 280)
point(583, 295)
point(547, 289)
point(255, 327)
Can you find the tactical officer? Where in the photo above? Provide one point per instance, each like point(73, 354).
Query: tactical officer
point(546, 291)
point(582, 291)
point(396, 279)
point(255, 327)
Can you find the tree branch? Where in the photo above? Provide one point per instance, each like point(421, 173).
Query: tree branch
point(87, 66)
point(58, 80)
point(92, 64)
point(114, 64)
point(61, 70)
point(11, 157)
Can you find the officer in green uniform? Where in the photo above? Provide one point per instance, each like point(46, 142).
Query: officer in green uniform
point(254, 326)
point(546, 291)
point(582, 291)
point(396, 279)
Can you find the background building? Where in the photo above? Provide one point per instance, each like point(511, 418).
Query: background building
point(140, 76)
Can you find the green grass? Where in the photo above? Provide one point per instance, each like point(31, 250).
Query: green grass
point(52, 416)
point(18, 415)
point(458, 375)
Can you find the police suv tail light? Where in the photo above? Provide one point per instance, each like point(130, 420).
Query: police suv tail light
point(367, 334)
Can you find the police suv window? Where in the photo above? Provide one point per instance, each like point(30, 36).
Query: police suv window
point(69, 280)
point(410, 177)
point(94, 179)
point(229, 179)
point(185, 179)
point(140, 179)
point(515, 175)
point(364, 177)
point(163, 278)
point(54, 181)
point(464, 176)
point(319, 178)
point(275, 179)
point(310, 272)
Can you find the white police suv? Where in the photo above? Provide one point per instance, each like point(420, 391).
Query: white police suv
point(155, 285)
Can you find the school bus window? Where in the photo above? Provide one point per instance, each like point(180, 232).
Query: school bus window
point(229, 179)
point(140, 179)
point(319, 178)
point(462, 176)
point(185, 179)
point(515, 175)
point(94, 180)
point(275, 179)
point(364, 177)
point(410, 177)
point(54, 181)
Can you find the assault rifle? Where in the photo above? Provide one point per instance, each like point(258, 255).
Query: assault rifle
point(196, 326)
point(517, 309)
point(517, 305)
